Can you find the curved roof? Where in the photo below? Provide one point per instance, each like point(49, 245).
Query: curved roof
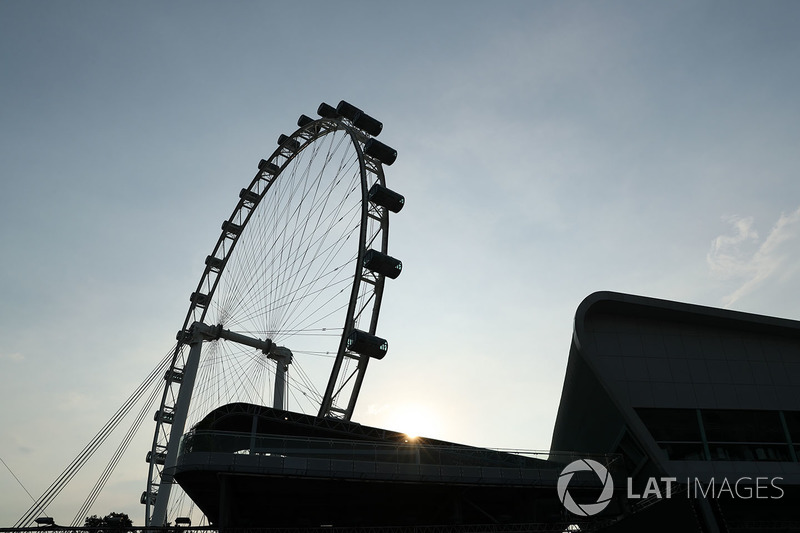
point(610, 302)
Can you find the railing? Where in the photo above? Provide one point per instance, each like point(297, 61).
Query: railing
point(554, 527)
point(410, 458)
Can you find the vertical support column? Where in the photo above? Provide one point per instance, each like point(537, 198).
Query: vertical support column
point(159, 516)
point(253, 432)
point(278, 400)
point(702, 426)
point(283, 358)
point(787, 435)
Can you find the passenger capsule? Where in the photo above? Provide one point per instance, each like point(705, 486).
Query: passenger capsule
point(166, 416)
point(288, 143)
point(174, 376)
point(359, 119)
point(368, 124)
point(199, 299)
point(362, 342)
point(215, 263)
point(347, 110)
point(375, 148)
point(304, 121)
point(381, 263)
point(249, 196)
point(326, 111)
point(380, 195)
point(158, 458)
point(232, 228)
point(270, 168)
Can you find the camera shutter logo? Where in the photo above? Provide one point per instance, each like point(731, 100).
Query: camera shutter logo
point(586, 509)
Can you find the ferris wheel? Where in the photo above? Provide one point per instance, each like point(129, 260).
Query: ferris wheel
point(292, 288)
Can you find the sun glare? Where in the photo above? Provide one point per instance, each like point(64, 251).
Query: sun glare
point(413, 420)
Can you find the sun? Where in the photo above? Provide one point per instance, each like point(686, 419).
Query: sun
point(414, 420)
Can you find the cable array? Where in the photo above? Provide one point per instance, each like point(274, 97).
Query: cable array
point(150, 382)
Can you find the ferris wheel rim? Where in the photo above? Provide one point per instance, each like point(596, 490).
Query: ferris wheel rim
point(290, 147)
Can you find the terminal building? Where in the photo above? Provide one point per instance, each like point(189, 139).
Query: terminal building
point(693, 411)
point(249, 466)
point(707, 397)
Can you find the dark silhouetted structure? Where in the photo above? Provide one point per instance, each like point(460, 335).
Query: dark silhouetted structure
point(693, 393)
point(695, 411)
point(252, 466)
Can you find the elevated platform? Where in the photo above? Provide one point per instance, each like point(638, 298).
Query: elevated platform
point(251, 466)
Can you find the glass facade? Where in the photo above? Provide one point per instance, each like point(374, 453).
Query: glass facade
point(724, 434)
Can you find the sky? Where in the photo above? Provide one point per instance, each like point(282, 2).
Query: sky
point(546, 150)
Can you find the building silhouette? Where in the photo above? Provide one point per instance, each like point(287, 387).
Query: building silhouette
point(706, 396)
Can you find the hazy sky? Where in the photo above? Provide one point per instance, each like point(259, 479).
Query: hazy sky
point(547, 150)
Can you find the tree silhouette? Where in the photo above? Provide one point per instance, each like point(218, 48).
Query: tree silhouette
point(110, 522)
